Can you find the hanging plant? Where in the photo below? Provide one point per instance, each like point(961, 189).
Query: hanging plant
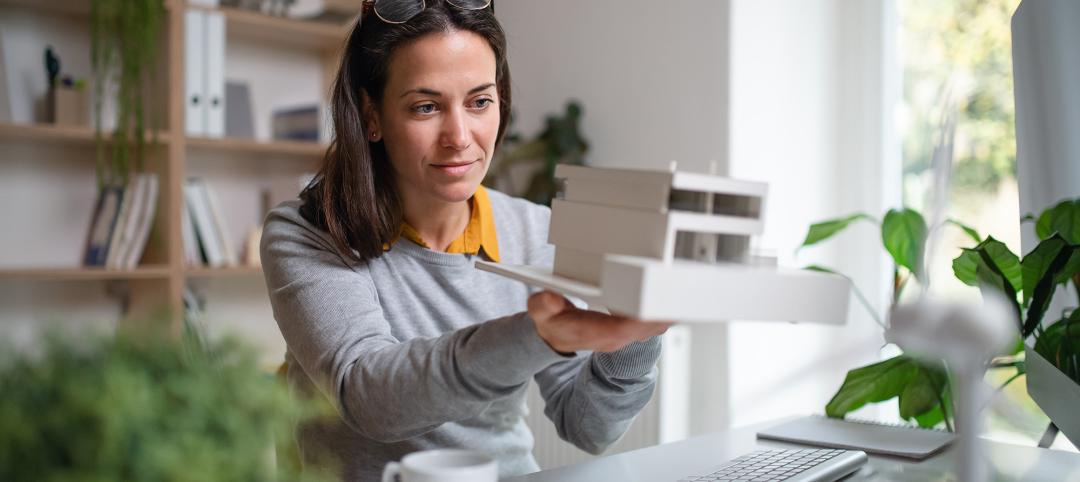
point(123, 47)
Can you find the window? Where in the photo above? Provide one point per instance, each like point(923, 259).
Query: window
point(958, 53)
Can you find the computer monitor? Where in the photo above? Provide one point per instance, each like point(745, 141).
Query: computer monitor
point(1046, 75)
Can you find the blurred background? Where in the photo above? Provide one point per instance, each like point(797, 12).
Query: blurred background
point(833, 103)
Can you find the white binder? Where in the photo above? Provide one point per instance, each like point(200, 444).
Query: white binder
point(194, 66)
point(214, 72)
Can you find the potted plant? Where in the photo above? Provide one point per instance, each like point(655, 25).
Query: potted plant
point(1049, 353)
point(560, 142)
point(922, 387)
point(124, 44)
point(126, 409)
point(1051, 347)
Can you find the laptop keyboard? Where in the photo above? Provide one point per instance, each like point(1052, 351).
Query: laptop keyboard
point(768, 465)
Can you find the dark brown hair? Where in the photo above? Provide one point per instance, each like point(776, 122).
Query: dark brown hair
point(353, 197)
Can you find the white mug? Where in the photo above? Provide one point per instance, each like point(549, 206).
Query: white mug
point(443, 465)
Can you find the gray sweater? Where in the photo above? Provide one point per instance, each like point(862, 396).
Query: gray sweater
point(417, 350)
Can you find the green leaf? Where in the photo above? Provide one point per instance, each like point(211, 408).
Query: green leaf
point(871, 384)
point(1060, 345)
point(931, 418)
point(923, 393)
point(1063, 218)
point(826, 229)
point(991, 278)
point(1004, 260)
point(1038, 261)
point(1042, 268)
point(1071, 267)
point(903, 233)
point(970, 231)
point(966, 265)
point(991, 263)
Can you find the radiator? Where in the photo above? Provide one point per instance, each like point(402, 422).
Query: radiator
point(551, 451)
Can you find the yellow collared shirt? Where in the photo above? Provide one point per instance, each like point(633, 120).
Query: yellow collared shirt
point(479, 234)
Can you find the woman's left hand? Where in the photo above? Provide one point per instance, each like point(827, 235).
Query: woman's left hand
point(567, 328)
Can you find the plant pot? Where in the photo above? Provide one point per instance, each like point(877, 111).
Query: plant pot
point(1057, 395)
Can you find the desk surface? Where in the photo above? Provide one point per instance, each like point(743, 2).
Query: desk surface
point(697, 455)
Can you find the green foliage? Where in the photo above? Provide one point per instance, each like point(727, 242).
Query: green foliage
point(1053, 262)
point(970, 231)
point(826, 229)
point(1028, 284)
point(117, 409)
point(560, 142)
point(921, 388)
point(903, 232)
point(1060, 345)
point(1063, 219)
point(871, 384)
point(959, 51)
point(124, 45)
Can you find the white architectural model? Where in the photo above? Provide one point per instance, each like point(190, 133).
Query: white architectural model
point(667, 245)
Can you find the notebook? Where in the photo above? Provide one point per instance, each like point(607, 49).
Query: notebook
point(874, 437)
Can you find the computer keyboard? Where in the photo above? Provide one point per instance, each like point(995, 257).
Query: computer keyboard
point(809, 465)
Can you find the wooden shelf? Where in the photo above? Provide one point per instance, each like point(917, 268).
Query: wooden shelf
point(235, 271)
point(294, 148)
point(288, 32)
point(67, 7)
point(84, 274)
point(243, 24)
point(75, 135)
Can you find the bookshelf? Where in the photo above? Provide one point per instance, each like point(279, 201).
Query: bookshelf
point(157, 284)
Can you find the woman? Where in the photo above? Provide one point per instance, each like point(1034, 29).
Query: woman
point(370, 272)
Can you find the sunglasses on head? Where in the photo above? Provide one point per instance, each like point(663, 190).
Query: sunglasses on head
point(400, 11)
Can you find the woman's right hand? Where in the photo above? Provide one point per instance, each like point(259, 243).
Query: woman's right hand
point(567, 329)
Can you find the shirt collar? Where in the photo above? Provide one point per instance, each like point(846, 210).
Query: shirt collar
point(479, 234)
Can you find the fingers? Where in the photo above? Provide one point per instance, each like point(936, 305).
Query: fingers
point(545, 305)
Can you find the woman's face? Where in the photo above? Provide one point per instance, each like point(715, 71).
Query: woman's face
point(439, 116)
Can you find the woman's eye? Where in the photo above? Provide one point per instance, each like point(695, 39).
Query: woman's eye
point(424, 108)
point(483, 103)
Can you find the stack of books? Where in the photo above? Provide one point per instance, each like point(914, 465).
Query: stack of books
point(123, 218)
point(206, 243)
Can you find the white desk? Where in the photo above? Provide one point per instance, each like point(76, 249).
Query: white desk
point(696, 456)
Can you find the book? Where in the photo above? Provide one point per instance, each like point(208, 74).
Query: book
point(901, 440)
point(223, 240)
point(297, 123)
point(118, 250)
point(144, 222)
point(192, 256)
point(106, 210)
point(118, 235)
point(203, 222)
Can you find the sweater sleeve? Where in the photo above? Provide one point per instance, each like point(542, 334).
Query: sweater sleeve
point(385, 389)
point(593, 398)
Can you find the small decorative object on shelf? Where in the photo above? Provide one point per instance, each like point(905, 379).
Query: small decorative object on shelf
point(301, 123)
point(65, 98)
point(560, 142)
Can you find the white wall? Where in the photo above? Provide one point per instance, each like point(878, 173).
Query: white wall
point(812, 90)
point(652, 76)
point(653, 80)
